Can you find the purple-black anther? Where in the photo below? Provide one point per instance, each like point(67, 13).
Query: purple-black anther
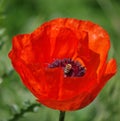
point(71, 68)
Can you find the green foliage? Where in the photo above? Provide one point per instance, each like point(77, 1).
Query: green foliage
point(20, 112)
point(23, 16)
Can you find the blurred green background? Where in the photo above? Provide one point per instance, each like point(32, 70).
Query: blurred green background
point(23, 16)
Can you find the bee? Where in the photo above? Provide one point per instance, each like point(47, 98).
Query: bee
point(67, 68)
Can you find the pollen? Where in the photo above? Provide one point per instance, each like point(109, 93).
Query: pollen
point(71, 68)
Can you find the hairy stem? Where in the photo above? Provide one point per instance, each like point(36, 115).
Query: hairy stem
point(23, 111)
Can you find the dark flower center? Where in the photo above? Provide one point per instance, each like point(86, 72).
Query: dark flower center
point(71, 68)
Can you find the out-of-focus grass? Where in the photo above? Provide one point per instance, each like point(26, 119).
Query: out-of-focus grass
point(23, 16)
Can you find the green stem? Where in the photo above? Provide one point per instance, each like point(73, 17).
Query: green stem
point(30, 108)
point(62, 116)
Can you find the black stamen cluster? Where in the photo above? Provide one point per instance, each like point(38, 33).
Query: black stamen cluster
point(77, 69)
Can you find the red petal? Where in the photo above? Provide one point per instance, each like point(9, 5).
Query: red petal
point(111, 69)
point(66, 44)
point(40, 41)
point(22, 48)
point(56, 39)
point(82, 96)
point(90, 58)
point(53, 80)
point(30, 80)
point(99, 42)
point(75, 103)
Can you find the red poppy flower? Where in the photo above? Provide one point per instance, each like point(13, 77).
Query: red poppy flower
point(64, 62)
